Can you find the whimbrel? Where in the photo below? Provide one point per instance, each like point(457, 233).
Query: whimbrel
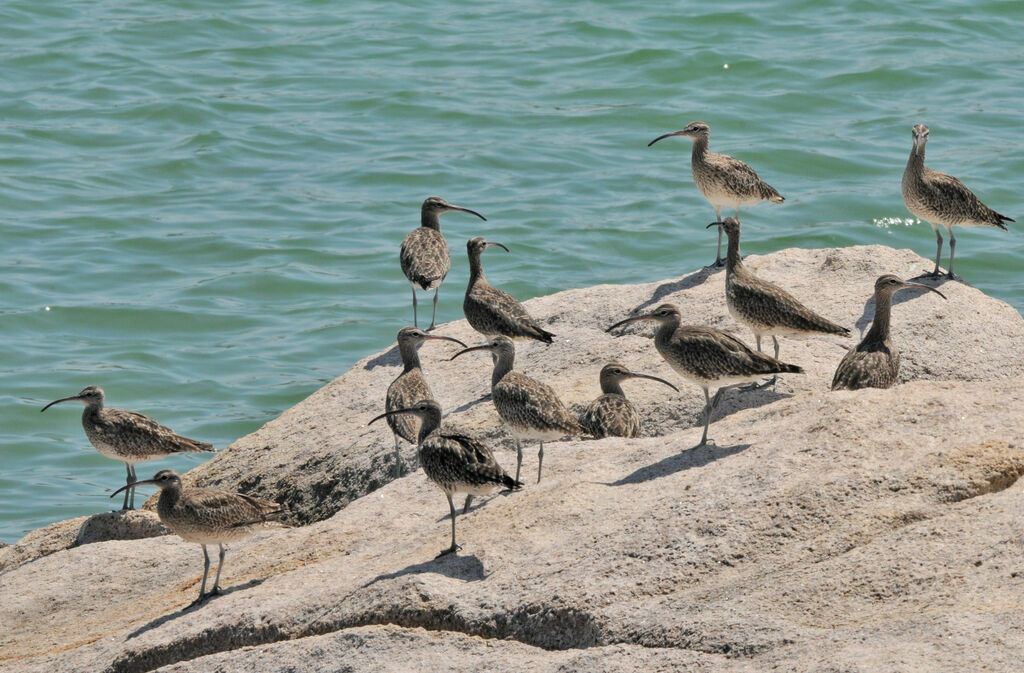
point(707, 356)
point(764, 307)
point(611, 414)
point(424, 256)
point(456, 462)
point(938, 198)
point(208, 516)
point(723, 180)
point(875, 361)
point(127, 436)
point(491, 311)
point(530, 408)
point(408, 388)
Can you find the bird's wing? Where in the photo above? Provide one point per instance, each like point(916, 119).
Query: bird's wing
point(424, 257)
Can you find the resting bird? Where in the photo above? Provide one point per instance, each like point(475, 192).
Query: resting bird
point(127, 436)
point(875, 361)
point(208, 516)
point(723, 180)
point(611, 414)
point(424, 255)
point(938, 198)
point(456, 462)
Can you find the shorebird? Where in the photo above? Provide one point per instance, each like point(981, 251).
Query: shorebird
point(208, 516)
point(408, 388)
point(424, 256)
point(707, 356)
point(875, 361)
point(456, 462)
point(938, 198)
point(611, 414)
point(530, 408)
point(127, 436)
point(723, 180)
point(764, 307)
point(491, 311)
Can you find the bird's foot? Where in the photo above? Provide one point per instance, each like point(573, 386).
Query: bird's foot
point(431, 328)
point(764, 384)
point(707, 441)
point(951, 276)
point(717, 264)
point(450, 550)
point(930, 274)
point(204, 597)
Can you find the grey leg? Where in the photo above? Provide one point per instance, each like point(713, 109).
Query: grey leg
point(130, 491)
point(775, 340)
point(718, 254)
point(952, 251)
point(708, 405)
point(220, 564)
point(757, 340)
point(465, 508)
point(454, 548)
point(938, 251)
point(206, 571)
point(398, 458)
point(135, 478)
point(519, 457)
point(540, 460)
point(415, 320)
point(433, 319)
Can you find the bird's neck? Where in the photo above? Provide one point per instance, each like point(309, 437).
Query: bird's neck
point(502, 365)
point(612, 387)
point(915, 164)
point(169, 497)
point(430, 220)
point(665, 331)
point(733, 261)
point(476, 268)
point(429, 423)
point(92, 412)
point(880, 324)
point(410, 356)
point(700, 149)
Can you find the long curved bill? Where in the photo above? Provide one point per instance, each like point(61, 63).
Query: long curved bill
point(635, 375)
point(629, 320)
point(144, 482)
point(484, 347)
point(63, 399)
point(924, 287)
point(500, 245)
point(714, 224)
point(466, 210)
point(393, 412)
point(667, 135)
point(444, 338)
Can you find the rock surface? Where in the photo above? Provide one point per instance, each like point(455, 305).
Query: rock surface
point(849, 531)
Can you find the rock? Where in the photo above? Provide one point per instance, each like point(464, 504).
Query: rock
point(872, 530)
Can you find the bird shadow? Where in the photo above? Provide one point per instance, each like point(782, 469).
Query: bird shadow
point(697, 456)
point(388, 358)
point(472, 403)
point(466, 568)
point(867, 316)
point(191, 607)
point(694, 279)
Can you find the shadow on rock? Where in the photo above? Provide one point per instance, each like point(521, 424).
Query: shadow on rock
point(698, 456)
point(685, 283)
point(389, 358)
point(466, 568)
point(160, 621)
point(901, 297)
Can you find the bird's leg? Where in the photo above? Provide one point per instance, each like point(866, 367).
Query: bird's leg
point(775, 379)
point(128, 482)
point(202, 585)
point(415, 319)
point(433, 318)
point(135, 478)
point(398, 458)
point(938, 252)
point(718, 254)
point(454, 548)
point(469, 499)
point(708, 404)
point(519, 457)
point(757, 340)
point(540, 460)
point(952, 251)
point(220, 564)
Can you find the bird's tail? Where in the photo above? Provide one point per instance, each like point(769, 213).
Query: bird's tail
point(1000, 219)
point(276, 515)
point(785, 368)
point(544, 335)
point(510, 483)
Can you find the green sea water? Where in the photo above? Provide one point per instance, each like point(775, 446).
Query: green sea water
point(201, 202)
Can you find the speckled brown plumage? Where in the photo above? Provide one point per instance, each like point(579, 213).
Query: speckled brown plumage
point(455, 461)
point(611, 414)
point(209, 516)
point(491, 311)
point(529, 408)
point(409, 387)
point(707, 356)
point(875, 361)
point(424, 254)
point(723, 180)
point(127, 436)
point(764, 307)
point(938, 198)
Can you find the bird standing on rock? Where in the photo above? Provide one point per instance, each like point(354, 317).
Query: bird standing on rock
point(127, 436)
point(408, 388)
point(208, 516)
point(875, 361)
point(530, 409)
point(723, 180)
point(938, 198)
point(456, 462)
point(611, 414)
point(764, 307)
point(424, 255)
point(707, 356)
point(491, 311)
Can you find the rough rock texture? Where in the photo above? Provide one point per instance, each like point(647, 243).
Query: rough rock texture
point(849, 531)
